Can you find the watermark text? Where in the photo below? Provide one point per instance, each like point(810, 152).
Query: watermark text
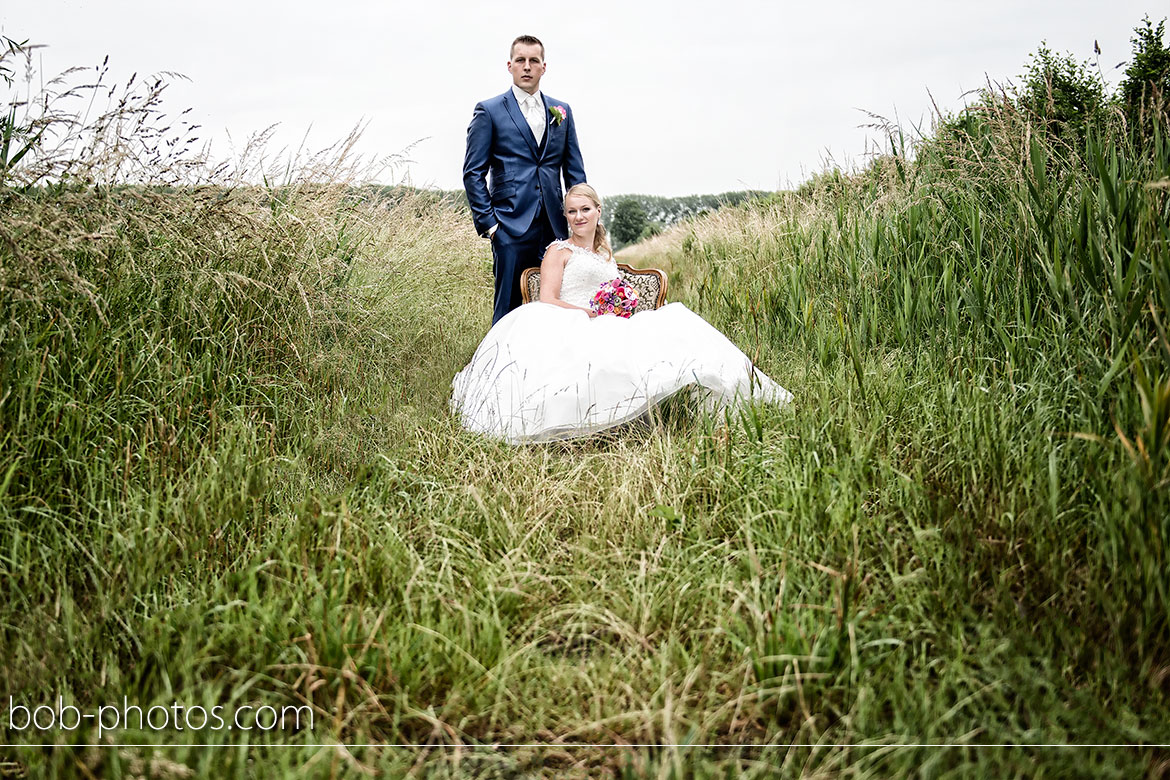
point(176, 716)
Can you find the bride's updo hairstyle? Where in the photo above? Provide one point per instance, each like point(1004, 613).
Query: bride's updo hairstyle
point(601, 238)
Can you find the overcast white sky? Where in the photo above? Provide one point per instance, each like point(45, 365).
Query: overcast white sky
point(671, 98)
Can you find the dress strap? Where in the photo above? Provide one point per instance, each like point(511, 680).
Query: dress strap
point(560, 243)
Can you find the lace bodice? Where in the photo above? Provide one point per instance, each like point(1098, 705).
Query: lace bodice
point(585, 271)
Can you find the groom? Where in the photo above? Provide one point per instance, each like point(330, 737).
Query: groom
point(519, 145)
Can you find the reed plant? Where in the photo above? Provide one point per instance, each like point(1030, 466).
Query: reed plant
point(229, 476)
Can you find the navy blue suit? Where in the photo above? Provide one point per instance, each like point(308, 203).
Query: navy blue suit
point(516, 183)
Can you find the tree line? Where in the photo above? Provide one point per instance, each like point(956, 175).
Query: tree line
point(633, 218)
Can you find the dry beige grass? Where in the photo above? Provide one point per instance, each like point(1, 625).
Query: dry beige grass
point(661, 251)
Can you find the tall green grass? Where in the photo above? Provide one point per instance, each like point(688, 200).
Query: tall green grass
point(1032, 272)
point(228, 475)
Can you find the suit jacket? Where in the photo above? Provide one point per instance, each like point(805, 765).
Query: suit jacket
point(506, 175)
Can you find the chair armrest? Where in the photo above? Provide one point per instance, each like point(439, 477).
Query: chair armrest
point(530, 285)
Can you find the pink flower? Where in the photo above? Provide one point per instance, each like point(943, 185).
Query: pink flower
point(615, 297)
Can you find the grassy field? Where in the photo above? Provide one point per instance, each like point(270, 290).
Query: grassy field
point(229, 477)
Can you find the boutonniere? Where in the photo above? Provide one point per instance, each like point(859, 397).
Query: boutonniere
point(559, 114)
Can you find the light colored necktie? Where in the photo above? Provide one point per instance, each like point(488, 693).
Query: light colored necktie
point(534, 116)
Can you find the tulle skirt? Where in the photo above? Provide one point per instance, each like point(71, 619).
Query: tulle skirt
point(544, 372)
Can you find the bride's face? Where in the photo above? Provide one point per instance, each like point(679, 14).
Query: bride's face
point(582, 215)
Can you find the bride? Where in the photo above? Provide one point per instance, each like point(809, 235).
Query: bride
point(554, 369)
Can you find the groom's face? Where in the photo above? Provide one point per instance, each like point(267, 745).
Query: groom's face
point(526, 66)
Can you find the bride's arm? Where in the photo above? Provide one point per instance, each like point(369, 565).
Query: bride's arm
point(552, 271)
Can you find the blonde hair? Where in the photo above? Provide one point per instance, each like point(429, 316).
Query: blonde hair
point(601, 237)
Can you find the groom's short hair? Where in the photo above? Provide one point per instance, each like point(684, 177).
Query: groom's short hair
point(527, 40)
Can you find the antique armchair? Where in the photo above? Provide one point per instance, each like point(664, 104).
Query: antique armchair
point(649, 282)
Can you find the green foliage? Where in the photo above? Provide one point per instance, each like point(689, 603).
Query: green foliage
point(1027, 276)
point(1145, 91)
point(652, 229)
point(661, 212)
point(628, 221)
point(828, 182)
point(668, 211)
point(1066, 96)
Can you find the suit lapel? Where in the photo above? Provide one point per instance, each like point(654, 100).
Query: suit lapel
point(549, 126)
point(544, 144)
point(521, 123)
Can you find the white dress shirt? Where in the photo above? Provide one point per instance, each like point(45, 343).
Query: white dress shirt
point(532, 106)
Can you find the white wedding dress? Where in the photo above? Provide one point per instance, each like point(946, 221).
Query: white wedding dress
point(544, 372)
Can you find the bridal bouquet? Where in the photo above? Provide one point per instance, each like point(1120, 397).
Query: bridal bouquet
point(615, 297)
